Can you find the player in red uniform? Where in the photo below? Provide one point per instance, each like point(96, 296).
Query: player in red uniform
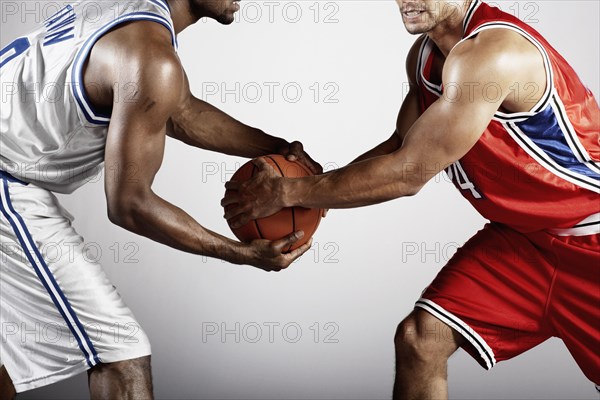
point(493, 104)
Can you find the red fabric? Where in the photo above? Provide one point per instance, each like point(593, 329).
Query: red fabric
point(517, 290)
point(515, 189)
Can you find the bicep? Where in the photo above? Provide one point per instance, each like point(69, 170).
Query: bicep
point(134, 150)
point(409, 113)
point(136, 134)
point(410, 110)
point(447, 130)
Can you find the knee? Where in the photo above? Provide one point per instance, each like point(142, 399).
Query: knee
point(422, 338)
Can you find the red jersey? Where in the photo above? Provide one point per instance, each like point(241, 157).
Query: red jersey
point(536, 170)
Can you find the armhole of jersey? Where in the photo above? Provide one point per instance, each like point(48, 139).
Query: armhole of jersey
point(164, 4)
point(469, 15)
point(547, 96)
point(77, 86)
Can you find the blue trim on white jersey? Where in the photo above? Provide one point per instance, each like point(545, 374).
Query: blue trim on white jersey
point(77, 72)
point(45, 275)
point(545, 132)
point(162, 4)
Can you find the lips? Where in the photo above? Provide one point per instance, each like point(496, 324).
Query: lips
point(410, 13)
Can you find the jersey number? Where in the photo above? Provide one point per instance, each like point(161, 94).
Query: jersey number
point(456, 172)
point(15, 49)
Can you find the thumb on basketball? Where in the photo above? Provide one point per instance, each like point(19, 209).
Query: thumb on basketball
point(261, 164)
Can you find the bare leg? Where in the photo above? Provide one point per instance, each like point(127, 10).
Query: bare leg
point(423, 346)
point(131, 379)
point(7, 390)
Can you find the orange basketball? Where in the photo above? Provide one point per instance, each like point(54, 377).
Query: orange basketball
point(287, 220)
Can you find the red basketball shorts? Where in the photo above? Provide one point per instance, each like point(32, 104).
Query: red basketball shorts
point(506, 292)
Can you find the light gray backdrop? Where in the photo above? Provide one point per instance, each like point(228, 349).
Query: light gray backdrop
point(331, 74)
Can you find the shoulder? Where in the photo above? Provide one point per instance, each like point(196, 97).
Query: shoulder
point(493, 55)
point(147, 47)
point(140, 53)
point(146, 66)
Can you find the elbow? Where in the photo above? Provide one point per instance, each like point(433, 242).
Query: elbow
point(124, 211)
point(411, 189)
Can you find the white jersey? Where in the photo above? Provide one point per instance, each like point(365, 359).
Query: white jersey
point(50, 135)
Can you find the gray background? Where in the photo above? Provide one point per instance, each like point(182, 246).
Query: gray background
point(367, 266)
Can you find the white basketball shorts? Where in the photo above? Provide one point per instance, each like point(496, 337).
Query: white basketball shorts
point(59, 313)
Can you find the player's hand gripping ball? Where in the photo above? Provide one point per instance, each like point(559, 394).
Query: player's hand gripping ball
point(287, 220)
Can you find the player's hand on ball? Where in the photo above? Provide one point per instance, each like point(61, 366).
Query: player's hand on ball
point(270, 255)
point(295, 152)
point(255, 198)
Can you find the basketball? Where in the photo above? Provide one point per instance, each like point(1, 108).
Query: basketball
point(287, 220)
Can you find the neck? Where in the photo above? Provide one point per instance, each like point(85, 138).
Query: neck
point(449, 32)
point(182, 15)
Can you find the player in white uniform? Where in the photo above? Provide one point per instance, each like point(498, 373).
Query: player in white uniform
point(100, 82)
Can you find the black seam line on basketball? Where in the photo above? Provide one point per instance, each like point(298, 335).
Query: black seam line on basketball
point(564, 121)
point(255, 221)
point(587, 224)
point(453, 319)
point(542, 49)
point(554, 167)
point(293, 216)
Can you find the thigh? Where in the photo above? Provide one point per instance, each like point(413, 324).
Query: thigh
point(574, 306)
point(493, 292)
point(60, 314)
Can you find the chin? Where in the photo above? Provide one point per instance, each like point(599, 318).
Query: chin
point(226, 19)
point(417, 29)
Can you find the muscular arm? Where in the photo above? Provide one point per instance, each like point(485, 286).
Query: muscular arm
point(134, 153)
point(444, 133)
point(202, 125)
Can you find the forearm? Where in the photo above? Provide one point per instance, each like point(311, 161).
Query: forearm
point(364, 183)
point(203, 125)
point(161, 221)
point(387, 147)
